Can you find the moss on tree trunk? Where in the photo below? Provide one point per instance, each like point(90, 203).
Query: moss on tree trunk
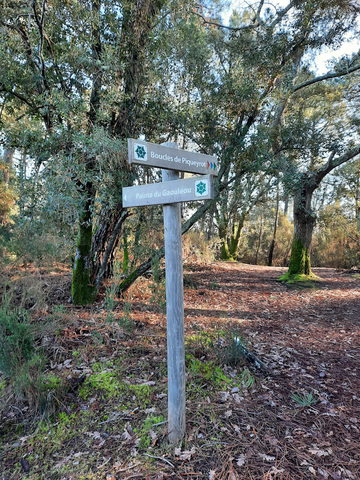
point(225, 251)
point(230, 245)
point(304, 221)
point(83, 292)
point(299, 259)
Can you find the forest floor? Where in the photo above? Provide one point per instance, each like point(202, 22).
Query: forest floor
point(107, 366)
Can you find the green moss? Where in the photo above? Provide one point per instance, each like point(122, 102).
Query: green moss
point(308, 281)
point(108, 386)
point(208, 371)
point(149, 424)
point(300, 259)
point(83, 293)
point(103, 381)
point(142, 394)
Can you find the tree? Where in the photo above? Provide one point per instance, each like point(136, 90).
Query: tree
point(327, 138)
point(78, 70)
point(242, 100)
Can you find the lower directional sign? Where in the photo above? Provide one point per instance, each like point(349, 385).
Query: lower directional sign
point(187, 190)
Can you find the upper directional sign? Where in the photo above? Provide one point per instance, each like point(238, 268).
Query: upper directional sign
point(186, 190)
point(161, 156)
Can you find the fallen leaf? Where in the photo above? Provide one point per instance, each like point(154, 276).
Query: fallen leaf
point(241, 460)
point(267, 458)
point(320, 453)
point(185, 455)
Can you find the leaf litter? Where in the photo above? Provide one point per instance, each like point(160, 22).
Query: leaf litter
point(299, 420)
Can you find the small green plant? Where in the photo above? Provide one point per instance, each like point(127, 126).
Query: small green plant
point(110, 301)
point(141, 394)
point(304, 399)
point(247, 378)
point(125, 321)
point(157, 286)
point(230, 348)
point(59, 310)
point(149, 424)
point(105, 382)
point(207, 371)
point(201, 345)
point(16, 341)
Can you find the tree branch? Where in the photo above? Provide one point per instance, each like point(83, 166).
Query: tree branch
point(347, 233)
point(327, 76)
point(112, 240)
point(331, 164)
point(282, 13)
point(227, 27)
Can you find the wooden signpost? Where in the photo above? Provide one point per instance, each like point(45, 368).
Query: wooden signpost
point(171, 158)
point(170, 193)
point(186, 190)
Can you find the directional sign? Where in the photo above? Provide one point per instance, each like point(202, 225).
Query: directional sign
point(187, 190)
point(161, 156)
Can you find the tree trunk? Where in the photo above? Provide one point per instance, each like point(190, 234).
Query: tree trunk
point(260, 238)
point(104, 242)
point(225, 250)
point(8, 162)
point(235, 237)
point(304, 222)
point(272, 245)
point(82, 291)
point(286, 205)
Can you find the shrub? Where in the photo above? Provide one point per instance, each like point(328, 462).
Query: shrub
point(22, 365)
point(16, 341)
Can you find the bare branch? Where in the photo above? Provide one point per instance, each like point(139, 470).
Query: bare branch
point(333, 163)
point(227, 27)
point(282, 13)
point(327, 76)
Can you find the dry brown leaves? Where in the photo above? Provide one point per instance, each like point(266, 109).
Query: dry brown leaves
point(309, 338)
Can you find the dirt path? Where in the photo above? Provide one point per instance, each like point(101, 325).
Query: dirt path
point(301, 420)
point(310, 340)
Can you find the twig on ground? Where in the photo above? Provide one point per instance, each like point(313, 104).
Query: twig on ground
point(160, 458)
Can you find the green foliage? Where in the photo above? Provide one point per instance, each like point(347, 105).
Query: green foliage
point(157, 286)
point(207, 371)
point(336, 241)
point(304, 399)
point(141, 395)
point(299, 259)
point(16, 341)
point(201, 345)
point(196, 247)
point(150, 423)
point(30, 242)
point(22, 365)
point(230, 353)
point(106, 382)
point(247, 378)
point(125, 321)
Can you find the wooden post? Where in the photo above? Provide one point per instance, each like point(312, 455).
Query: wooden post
point(168, 157)
point(175, 316)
